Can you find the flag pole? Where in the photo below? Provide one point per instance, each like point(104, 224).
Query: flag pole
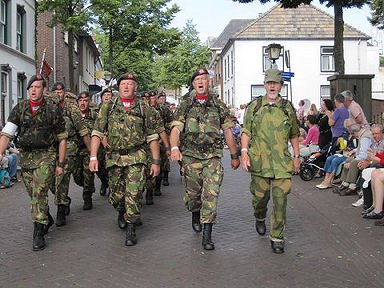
point(42, 61)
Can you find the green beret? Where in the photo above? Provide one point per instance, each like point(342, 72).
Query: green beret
point(126, 76)
point(34, 78)
point(58, 86)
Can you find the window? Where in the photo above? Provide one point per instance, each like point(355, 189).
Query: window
point(75, 44)
point(228, 65)
point(268, 63)
point(21, 91)
point(259, 90)
point(66, 37)
point(4, 95)
point(225, 69)
point(20, 20)
point(3, 21)
point(327, 59)
point(325, 92)
point(232, 63)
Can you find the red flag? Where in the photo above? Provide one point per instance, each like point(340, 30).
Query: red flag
point(46, 69)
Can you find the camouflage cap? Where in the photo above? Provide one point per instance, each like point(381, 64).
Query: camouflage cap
point(273, 75)
point(37, 77)
point(126, 76)
point(197, 72)
point(84, 94)
point(58, 86)
point(161, 94)
point(108, 89)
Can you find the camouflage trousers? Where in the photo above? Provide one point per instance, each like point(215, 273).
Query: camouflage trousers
point(37, 183)
point(126, 188)
point(61, 185)
point(202, 181)
point(261, 188)
point(82, 175)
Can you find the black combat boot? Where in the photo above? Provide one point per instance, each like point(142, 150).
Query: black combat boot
point(149, 197)
point(121, 220)
point(157, 186)
point(196, 225)
point(260, 227)
point(68, 207)
point(38, 236)
point(130, 239)
point(60, 216)
point(50, 223)
point(207, 242)
point(165, 178)
point(87, 197)
point(277, 247)
point(103, 188)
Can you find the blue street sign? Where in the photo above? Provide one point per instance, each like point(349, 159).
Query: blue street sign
point(287, 79)
point(287, 74)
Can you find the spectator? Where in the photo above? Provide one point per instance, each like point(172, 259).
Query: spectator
point(313, 110)
point(350, 169)
point(377, 184)
point(12, 156)
point(300, 112)
point(354, 109)
point(333, 161)
point(325, 136)
point(303, 134)
point(240, 115)
point(310, 144)
point(337, 118)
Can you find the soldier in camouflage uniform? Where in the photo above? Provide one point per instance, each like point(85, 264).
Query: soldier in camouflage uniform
point(129, 123)
point(165, 150)
point(199, 119)
point(76, 130)
point(89, 116)
point(39, 124)
point(270, 122)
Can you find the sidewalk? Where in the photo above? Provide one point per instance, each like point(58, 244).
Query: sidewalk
point(328, 243)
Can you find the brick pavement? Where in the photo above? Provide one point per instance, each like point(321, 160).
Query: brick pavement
point(328, 243)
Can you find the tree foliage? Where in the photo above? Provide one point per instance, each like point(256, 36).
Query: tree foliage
point(133, 32)
point(377, 19)
point(338, 6)
point(173, 70)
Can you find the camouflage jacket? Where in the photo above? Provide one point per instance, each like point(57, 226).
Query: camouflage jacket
point(37, 134)
point(166, 116)
point(270, 129)
point(127, 131)
point(88, 121)
point(75, 127)
point(200, 125)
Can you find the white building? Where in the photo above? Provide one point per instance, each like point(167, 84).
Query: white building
point(306, 34)
point(17, 51)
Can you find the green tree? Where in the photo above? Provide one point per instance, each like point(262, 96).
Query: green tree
point(173, 70)
point(377, 19)
point(73, 15)
point(338, 6)
point(133, 32)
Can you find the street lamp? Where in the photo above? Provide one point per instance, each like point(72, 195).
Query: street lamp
point(274, 51)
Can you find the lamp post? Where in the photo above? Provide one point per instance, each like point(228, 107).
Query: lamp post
point(274, 51)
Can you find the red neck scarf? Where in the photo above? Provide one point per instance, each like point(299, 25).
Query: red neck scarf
point(204, 97)
point(83, 113)
point(35, 106)
point(127, 102)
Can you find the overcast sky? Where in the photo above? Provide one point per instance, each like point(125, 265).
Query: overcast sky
point(211, 16)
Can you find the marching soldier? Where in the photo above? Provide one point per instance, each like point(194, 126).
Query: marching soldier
point(198, 120)
point(129, 123)
point(39, 124)
point(75, 128)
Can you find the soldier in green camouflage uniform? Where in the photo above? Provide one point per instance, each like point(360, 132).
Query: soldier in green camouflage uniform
point(199, 119)
point(270, 122)
point(165, 149)
point(39, 124)
point(76, 130)
point(89, 117)
point(165, 152)
point(128, 122)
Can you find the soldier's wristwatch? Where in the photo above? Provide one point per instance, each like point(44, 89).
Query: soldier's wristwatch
point(156, 161)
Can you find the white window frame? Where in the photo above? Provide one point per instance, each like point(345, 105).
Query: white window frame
point(326, 56)
point(19, 31)
point(3, 20)
point(324, 95)
point(267, 64)
point(260, 87)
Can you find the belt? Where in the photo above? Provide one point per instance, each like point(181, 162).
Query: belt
point(31, 149)
point(126, 151)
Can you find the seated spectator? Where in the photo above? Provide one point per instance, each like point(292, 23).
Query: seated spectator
point(325, 130)
point(351, 170)
point(310, 144)
point(377, 184)
point(12, 155)
point(333, 161)
point(303, 134)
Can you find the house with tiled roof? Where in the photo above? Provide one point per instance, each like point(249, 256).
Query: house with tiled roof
point(306, 35)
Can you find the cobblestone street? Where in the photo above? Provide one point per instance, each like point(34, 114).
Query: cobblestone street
point(328, 244)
